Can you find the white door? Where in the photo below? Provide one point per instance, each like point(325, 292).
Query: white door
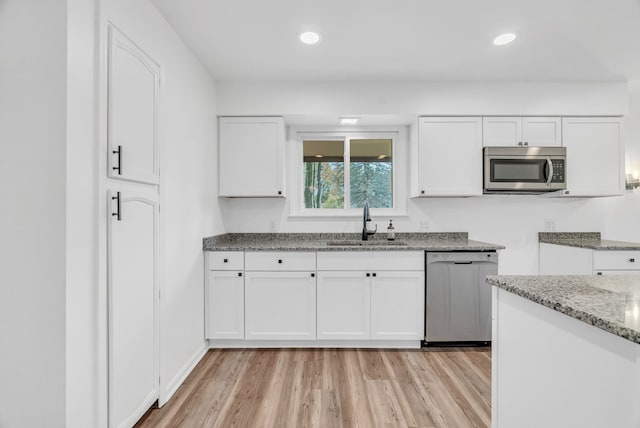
point(225, 305)
point(542, 131)
point(594, 155)
point(132, 306)
point(450, 156)
point(397, 306)
point(251, 156)
point(344, 301)
point(132, 112)
point(502, 131)
point(280, 305)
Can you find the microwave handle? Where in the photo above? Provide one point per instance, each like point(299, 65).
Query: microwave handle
point(549, 171)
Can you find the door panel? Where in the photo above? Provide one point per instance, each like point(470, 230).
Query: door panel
point(132, 307)
point(344, 305)
point(132, 112)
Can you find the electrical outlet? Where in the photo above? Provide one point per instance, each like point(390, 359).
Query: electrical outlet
point(549, 225)
point(424, 225)
point(273, 228)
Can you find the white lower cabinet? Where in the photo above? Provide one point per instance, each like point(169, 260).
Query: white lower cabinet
point(344, 305)
point(280, 305)
point(565, 260)
point(225, 302)
point(397, 305)
point(373, 303)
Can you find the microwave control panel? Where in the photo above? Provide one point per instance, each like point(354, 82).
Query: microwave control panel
point(558, 171)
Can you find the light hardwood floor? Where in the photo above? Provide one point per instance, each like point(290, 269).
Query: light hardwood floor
point(444, 387)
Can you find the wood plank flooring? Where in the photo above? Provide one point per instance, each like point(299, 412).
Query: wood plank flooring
point(443, 387)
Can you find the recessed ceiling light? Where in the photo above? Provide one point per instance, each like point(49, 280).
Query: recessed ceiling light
point(382, 157)
point(319, 156)
point(309, 37)
point(504, 39)
point(349, 120)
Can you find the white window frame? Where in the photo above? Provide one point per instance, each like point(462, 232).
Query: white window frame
point(399, 158)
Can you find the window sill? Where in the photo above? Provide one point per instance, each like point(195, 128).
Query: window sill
point(356, 213)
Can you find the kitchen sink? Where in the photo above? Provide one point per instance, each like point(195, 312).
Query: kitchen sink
point(356, 243)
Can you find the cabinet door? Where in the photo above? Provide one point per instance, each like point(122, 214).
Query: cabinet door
point(450, 156)
point(280, 305)
point(542, 131)
point(225, 305)
point(397, 306)
point(344, 301)
point(251, 156)
point(132, 266)
point(502, 131)
point(563, 260)
point(132, 112)
point(594, 156)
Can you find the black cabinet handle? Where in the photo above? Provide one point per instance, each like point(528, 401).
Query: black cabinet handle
point(239, 273)
point(632, 260)
point(117, 213)
point(119, 153)
point(280, 261)
point(599, 273)
point(373, 274)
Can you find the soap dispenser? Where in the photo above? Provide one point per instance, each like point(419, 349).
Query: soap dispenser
point(391, 232)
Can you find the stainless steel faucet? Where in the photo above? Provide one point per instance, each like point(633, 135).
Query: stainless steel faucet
point(365, 219)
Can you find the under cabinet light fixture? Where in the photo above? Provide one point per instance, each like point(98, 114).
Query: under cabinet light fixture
point(504, 39)
point(349, 120)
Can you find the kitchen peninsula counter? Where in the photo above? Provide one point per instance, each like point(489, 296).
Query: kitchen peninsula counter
point(439, 241)
point(566, 351)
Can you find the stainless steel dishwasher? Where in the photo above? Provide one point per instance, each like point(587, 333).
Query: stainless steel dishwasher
point(458, 302)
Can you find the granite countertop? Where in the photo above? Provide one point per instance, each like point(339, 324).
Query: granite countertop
point(441, 241)
point(610, 303)
point(591, 240)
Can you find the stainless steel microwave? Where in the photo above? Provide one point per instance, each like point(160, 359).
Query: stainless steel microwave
point(524, 169)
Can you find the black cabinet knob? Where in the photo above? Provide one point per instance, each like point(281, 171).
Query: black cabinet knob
point(313, 275)
point(280, 261)
point(632, 260)
point(599, 273)
point(225, 261)
point(279, 192)
point(422, 192)
point(239, 273)
point(373, 274)
point(368, 274)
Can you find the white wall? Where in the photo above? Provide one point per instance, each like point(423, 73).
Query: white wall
point(187, 182)
point(82, 216)
point(33, 213)
point(513, 221)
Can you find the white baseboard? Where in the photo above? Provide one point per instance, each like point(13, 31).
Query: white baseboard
point(388, 344)
point(168, 389)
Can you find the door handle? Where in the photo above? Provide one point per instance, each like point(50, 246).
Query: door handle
point(117, 213)
point(119, 153)
point(549, 171)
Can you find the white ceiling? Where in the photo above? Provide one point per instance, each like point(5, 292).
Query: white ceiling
point(411, 40)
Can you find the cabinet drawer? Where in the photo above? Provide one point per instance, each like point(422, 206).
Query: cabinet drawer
point(226, 260)
point(616, 260)
point(280, 261)
point(371, 260)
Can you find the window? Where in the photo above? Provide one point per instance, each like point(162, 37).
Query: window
point(338, 172)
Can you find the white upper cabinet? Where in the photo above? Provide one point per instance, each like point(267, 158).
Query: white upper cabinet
point(521, 131)
point(450, 156)
point(251, 156)
point(595, 156)
point(132, 112)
